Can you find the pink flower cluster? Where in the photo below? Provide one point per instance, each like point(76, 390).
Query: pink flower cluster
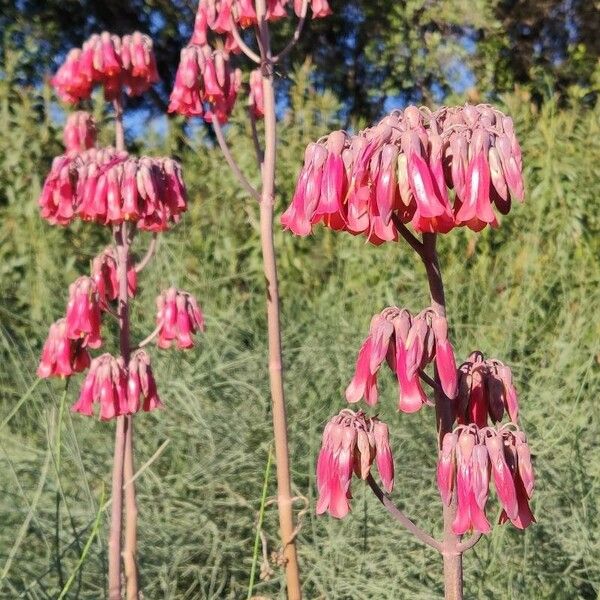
point(467, 457)
point(106, 278)
point(80, 132)
point(205, 84)
point(485, 389)
point(110, 187)
point(114, 62)
point(351, 442)
point(118, 390)
point(408, 343)
point(435, 170)
point(178, 317)
point(62, 355)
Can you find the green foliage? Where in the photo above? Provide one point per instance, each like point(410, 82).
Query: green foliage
point(525, 293)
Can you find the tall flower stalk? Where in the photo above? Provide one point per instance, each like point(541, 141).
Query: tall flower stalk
point(127, 194)
point(432, 171)
point(207, 85)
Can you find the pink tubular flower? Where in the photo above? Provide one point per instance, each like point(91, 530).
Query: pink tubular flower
point(61, 355)
point(57, 199)
point(408, 344)
point(105, 384)
point(80, 131)
point(105, 276)
point(83, 312)
point(446, 467)
point(255, 97)
point(435, 171)
point(141, 387)
point(178, 317)
point(351, 442)
point(69, 82)
point(485, 390)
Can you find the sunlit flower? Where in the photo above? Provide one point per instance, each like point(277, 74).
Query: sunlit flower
point(61, 355)
point(178, 318)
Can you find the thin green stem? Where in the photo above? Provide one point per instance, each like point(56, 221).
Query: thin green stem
point(261, 514)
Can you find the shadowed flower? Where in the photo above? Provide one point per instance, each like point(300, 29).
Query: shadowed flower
point(351, 442)
point(178, 318)
point(61, 355)
point(255, 97)
point(83, 312)
point(80, 131)
point(105, 276)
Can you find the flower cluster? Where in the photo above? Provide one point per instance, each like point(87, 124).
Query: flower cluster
point(408, 344)
point(466, 458)
point(205, 84)
point(178, 317)
point(106, 278)
point(118, 390)
point(435, 170)
point(110, 187)
point(62, 355)
point(114, 62)
point(351, 442)
point(485, 389)
point(80, 132)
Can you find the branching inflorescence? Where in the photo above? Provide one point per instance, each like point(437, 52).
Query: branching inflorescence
point(128, 194)
point(432, 171)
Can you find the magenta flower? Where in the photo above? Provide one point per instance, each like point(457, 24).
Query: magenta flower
point(104, 274)
point(57, 199)
point(178, 318)
point(141, 386)
point(104, 384)
point(485, 390)
point(61, 355)
point(83, 312)
point(408, 344)
point(351, 442)
point(80, 131)
point(435, 171)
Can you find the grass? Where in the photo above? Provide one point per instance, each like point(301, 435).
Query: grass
point(527, 293)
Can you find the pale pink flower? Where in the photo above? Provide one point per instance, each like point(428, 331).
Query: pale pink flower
point(105, 276)
point(105, 384)
point(80, 131)
point(83, 312)
point(61, 355)
point(141, 386)
point(446, 467)
point(178, 317)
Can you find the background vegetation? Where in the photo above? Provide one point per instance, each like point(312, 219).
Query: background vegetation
point(527, 293)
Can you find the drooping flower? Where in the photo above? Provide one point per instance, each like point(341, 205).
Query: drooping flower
point(105, 384)
point(57, 199)
point(178, 318)
point(435, 171)
point(351, 443)
point(255, 97)
point(83, 312)
point(467, 457)
point(485, 390)
point(105, 276)
point(61, 355)
point(408, 344)
point(69, 82)
point(80, 131)
point(141, 386)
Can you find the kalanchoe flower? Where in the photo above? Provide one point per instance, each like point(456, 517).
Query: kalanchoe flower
point(110, 61)
point(106, 385)
point(205, 84)
point(467, 457)
point(351, 442)
point(105, 276)
point(178, 317)
point(83, 312)
point(80, 131)
point(485, 390)
point(435, 171)
point(255, 97)
point(110, 187)
point(408, 344)
point(61, 355)
point(141, 387)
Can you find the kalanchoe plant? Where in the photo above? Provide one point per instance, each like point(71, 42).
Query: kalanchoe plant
point(207, 85)
point(128, 194)
point(433, 171)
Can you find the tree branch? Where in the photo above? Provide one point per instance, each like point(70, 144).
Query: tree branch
point(429, 381)
point(237, 36)
point(412, 240)
point(296, 35)
point(468, 544)
point(423, 536)
point(257, 149)
point(231, 161)
point(149, 254)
